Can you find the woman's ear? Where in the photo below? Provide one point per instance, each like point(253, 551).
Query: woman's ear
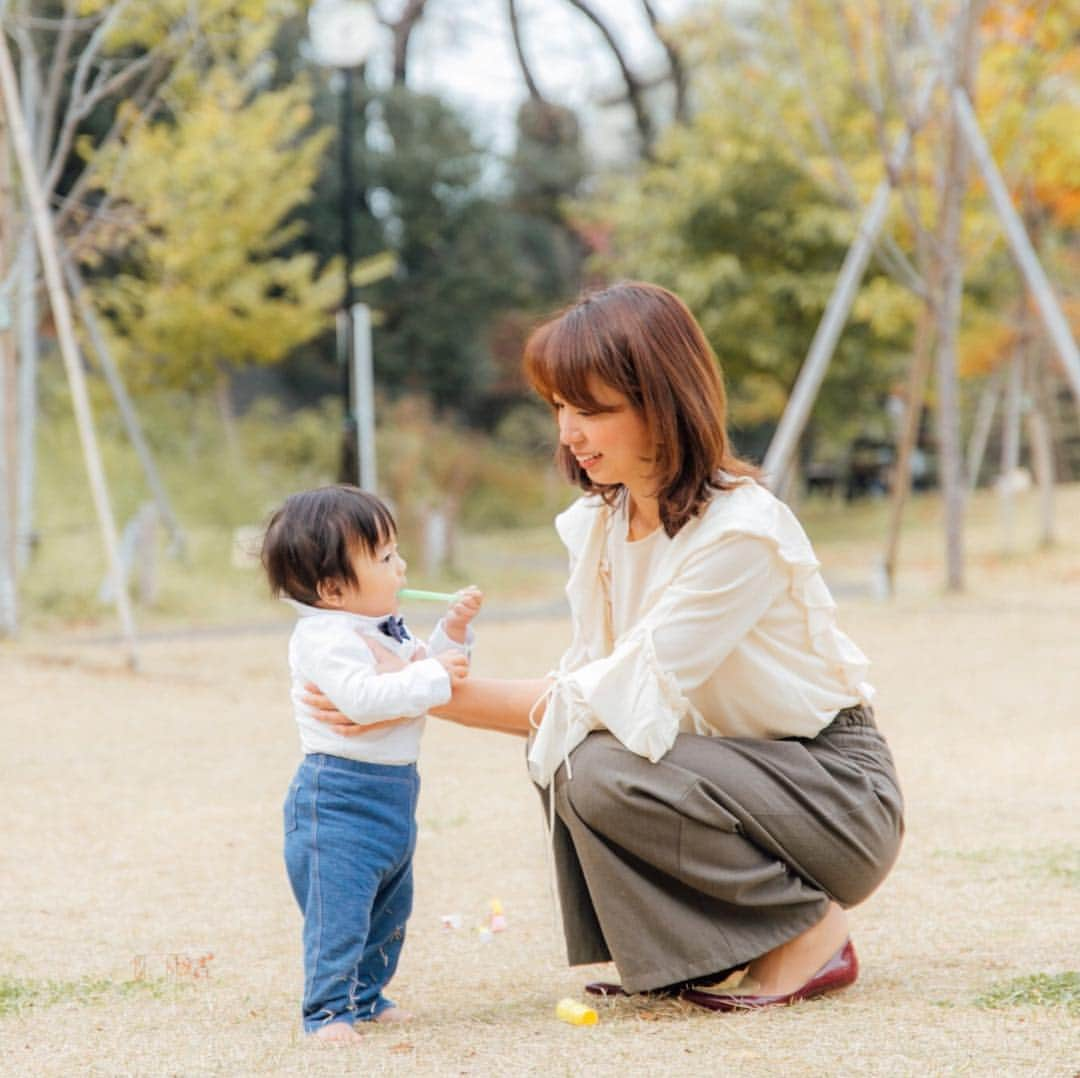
point(330, 593)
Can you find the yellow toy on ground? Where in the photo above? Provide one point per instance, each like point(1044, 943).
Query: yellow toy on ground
point(576, 1014)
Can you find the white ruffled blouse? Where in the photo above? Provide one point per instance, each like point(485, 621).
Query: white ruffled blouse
point(735, 635)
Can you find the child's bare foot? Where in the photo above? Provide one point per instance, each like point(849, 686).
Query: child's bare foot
point(338, 1034)
point(393, 1014)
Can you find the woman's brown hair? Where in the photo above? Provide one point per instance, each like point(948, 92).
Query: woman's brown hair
point(641, 340)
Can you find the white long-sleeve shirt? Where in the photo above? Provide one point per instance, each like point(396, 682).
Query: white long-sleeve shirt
point(732, 632)
point(327, 648)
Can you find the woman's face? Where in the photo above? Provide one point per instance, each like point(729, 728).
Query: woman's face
point(612, 446)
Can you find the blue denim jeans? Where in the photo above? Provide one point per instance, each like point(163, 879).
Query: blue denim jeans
point(350, 833)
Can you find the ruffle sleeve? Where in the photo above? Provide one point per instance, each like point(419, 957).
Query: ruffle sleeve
point(723, 571)
point(627, 693)
point(755, 513)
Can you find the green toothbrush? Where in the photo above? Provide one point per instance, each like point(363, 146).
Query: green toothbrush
point(431, 596)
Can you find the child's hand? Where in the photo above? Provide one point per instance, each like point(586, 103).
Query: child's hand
point(456, 664)
point(463, 609)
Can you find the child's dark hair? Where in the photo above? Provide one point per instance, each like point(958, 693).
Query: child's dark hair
point(310, 539)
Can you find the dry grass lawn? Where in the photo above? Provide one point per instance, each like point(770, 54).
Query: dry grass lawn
point(143, 819)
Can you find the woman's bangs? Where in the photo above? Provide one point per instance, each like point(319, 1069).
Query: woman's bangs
point(561, 361)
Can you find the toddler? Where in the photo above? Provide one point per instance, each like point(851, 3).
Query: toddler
point(350, 824)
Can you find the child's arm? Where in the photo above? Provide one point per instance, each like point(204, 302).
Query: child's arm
point(453, 631)
point(340, 662)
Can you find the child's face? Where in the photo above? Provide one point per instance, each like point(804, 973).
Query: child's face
point(378, 580)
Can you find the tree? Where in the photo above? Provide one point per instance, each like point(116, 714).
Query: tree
point(1024, 56)
point(732, 220)
point(200, 212)
point(456, 268)
point(93, 71)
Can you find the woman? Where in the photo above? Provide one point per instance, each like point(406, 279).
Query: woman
point(719, 791)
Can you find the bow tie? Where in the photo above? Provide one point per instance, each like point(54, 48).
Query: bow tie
point(395, 629)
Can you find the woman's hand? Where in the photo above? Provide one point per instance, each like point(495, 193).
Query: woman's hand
point(323, 709)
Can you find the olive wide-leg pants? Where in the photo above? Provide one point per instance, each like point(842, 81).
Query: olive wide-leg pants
point(721, 851)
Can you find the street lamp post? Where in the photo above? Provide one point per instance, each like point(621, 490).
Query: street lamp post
point(342, 35)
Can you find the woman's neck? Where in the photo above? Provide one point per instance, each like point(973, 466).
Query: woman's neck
point(643, 516)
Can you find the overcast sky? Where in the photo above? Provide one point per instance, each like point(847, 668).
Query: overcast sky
point(463, 51)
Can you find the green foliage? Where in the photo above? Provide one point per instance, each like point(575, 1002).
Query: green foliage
point(304, 443)
point(215, 488)
point(205, 201)
point(456, 268)
point(426, 463)
point(732, 222)
point(527, 430)
point(548, 164)
point(237, 28)
point(1051, 990)
point(547, 168)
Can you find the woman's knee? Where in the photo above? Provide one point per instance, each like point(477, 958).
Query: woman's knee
point(618, 793)
point(594, 782)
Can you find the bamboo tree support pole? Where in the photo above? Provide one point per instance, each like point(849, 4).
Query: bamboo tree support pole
point(1023, 251)
point(58, 300)
point(918, 377)
point(785, 440)
point(124, 403)
point(1057, 327)
point(28, 344)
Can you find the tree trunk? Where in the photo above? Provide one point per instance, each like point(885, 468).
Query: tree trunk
point(918, 375)
point(519, 50)
point(9, 622)
point(8, 593)
point(1041, 440)
point(635, 88)
point(1008, 480)
point(952, 284)
point(402, 30)
point(980, 430)
point(949, 460)
point(223, 400)
point(65, 331)
point(675, 63)
point(28, 349)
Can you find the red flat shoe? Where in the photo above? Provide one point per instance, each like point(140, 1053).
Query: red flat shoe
point(840, 971)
